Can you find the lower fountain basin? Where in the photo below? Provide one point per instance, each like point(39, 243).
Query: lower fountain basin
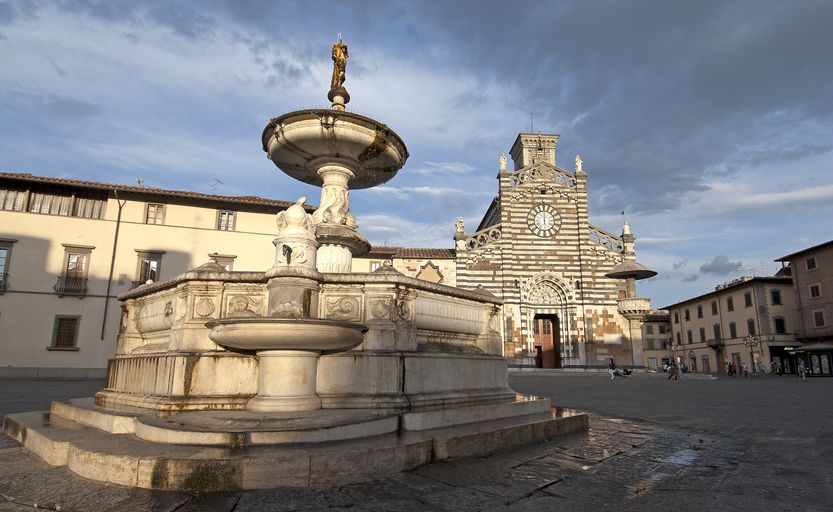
point(286, 333)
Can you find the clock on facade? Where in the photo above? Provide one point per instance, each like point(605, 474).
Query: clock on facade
point(544, 220)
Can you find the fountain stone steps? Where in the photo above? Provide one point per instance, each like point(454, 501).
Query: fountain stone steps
point(125, 459)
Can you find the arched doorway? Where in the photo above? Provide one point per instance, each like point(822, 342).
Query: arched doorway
point(547, 335)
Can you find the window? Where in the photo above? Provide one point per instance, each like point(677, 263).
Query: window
point(651, 344)
point(73, 281)
point(730, 304)
point(815, 291)
point(224, 260)
point(155, 214)
point(623, 294)
point(775, 295)
point(714, 307)
point(374, 265)
point(687, 315)
point(688, 336)
point(225, 220)
point(12, 200)
point(663, 328)
point(702, 335)
point(700, 311)
point(750, 326)
point(733, 330)
point(65, 333)
point(679, 339)
point(148, 266)
point(652, 363)
point(5, 256)
point(811, 263)
point(676, 317)
point(717, 332)
point(90, 207)
point(818, 318)
point(50, 204)
point(780, 326)
point(747, 299)
point(649, 329)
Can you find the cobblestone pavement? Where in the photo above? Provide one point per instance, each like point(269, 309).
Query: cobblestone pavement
point(653, 445)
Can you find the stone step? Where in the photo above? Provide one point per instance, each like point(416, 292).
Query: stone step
point(127, 460)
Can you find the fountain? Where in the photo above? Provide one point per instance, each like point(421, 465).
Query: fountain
point(305, 374)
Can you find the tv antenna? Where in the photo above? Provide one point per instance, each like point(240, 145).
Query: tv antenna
point(214, 184)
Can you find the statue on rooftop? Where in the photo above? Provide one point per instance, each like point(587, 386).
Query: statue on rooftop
point(578, 164)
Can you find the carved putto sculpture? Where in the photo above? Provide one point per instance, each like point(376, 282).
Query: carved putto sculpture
point(295, 220)
point(578, 163)
point(503, 161)
point(460, 225)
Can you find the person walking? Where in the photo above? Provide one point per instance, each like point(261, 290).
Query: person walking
point(611, 369)
point(745, 370)
point(773, 366)
point(802, 370)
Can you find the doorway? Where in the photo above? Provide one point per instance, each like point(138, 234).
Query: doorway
point(545, 330)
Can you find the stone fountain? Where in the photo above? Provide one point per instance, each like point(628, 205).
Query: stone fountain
point(305, 374)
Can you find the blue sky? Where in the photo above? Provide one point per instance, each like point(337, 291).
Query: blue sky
point(710, 123)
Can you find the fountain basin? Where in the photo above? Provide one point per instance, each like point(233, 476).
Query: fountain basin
point(301, 142)
point(315, 334)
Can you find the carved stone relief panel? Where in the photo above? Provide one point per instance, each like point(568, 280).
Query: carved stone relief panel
point(204, 307)
point(343, 308)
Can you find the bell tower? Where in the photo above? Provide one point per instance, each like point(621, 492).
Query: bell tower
point(533, 148)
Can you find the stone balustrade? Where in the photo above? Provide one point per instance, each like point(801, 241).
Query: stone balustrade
point(634, 306)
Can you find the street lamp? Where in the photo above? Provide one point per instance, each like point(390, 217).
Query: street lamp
point(752, 342)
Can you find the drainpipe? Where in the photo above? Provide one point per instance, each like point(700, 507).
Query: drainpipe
point(112, 264)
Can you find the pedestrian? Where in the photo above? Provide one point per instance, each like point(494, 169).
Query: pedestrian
point(773, 367)
point(802, 370)
point(745, 370)
point(611, 369)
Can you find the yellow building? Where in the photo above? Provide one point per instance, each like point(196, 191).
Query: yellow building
point(68, 248)
point(749, 320)
point(656, 336)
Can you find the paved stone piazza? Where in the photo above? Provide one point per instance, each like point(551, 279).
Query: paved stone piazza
point(695, 444)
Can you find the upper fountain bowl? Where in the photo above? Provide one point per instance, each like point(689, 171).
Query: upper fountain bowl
point(302, 142)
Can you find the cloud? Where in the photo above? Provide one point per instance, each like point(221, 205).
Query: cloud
point(691, 278)
point(720, 266)
point(442, 168)
point(680, 264)
point(382, 229)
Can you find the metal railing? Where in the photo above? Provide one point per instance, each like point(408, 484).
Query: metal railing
point(71, 286)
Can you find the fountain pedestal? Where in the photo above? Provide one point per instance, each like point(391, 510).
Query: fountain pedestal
point(286, 381)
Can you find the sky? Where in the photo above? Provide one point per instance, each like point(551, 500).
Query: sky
point(709, 123)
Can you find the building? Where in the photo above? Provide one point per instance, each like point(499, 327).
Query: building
point(435, 265)
point(68, 248)
point(567, 285)
point(812, 280)
point(749, 320)
point(656, 336)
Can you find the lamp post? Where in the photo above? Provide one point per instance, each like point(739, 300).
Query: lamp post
point(752, 342)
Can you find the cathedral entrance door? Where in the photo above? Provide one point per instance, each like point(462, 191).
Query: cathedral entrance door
point(547, 341)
